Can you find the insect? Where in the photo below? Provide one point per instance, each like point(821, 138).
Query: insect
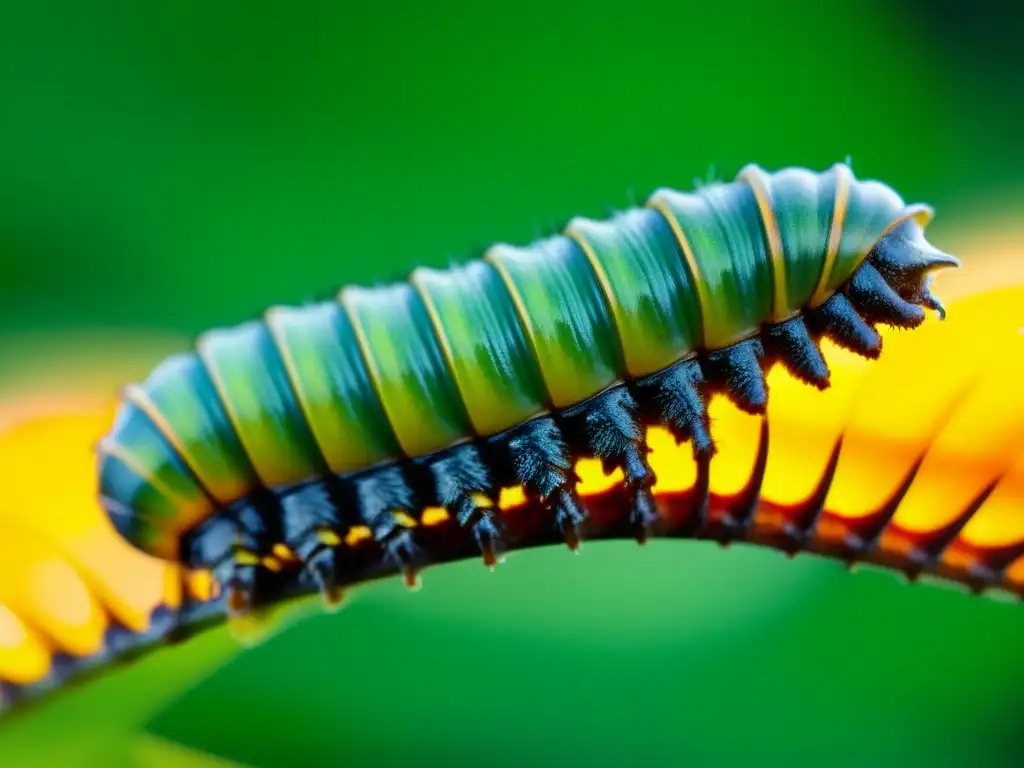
point(922, 479)
point(276, 440)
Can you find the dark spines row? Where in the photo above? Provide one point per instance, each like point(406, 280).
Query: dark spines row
point(254, 425)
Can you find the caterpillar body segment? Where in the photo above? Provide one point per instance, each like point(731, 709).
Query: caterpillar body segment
point(359, 413)
point(913, 462)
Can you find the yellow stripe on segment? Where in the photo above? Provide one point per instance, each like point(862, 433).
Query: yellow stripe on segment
point(137, 396)
point(291, 371)
point(434, 516)
point(116, 451)
point(757, 180)
point(691, 261)
point(366, 353)
point(246, 557)
point(512, 497)
point(481, 501)
point(572, 230)
point(844, 180)
point(222, 394)
point(919, 212)
point(415, 279)
point(403, 518)
point(356, 534)
point(521, 313)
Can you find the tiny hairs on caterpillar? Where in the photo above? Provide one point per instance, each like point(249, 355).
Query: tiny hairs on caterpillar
point(609, 383)
point(278, 442)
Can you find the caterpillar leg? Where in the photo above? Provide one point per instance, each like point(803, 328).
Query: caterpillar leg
point(231, 545)
point(607, 427)
point(906, 260)
point(383, 497)
point(536, 457)
point(462, 485)
point(790, 343)
point(311, 529)
point(878, 302)
point(673, 399)
point(892, 286)
point(736, 371)
point(838, 321)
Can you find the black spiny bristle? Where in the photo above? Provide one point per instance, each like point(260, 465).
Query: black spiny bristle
point(673, 398)
point(907, 261)
point(791, 344)
point(736, 371)
point(904, 255)
point(838, 320)
point(607, 427)
point(462, 485)
point(878, 302)
point(535, 456)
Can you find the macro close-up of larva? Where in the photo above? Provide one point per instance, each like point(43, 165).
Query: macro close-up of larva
point(511, 385)
point(362, 412)
point(399, 426)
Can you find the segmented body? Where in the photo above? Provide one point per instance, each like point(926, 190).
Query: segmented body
point(914, 461)
point(290, 431)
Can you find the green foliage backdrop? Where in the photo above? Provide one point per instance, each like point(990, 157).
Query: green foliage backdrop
point(168, 166)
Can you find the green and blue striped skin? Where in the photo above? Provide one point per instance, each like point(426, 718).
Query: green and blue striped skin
point(652, 296)
point(802, 204)
point(383, 375)
point(252, 383)
point(334, 391)
point(149, 491)
point(407, 367)
point(720, 232)
point(491, 361)
point(561, 308)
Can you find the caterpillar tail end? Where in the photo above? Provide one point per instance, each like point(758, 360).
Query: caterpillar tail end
point(892, 286)
point(906, 263)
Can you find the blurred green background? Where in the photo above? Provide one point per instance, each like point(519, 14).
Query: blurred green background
point(165, 167)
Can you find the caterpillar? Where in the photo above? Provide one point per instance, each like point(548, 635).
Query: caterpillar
point(923, 479)
point(276, 439)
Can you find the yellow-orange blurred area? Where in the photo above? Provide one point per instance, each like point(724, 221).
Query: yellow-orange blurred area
point(64, 571)
point(945, 395)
